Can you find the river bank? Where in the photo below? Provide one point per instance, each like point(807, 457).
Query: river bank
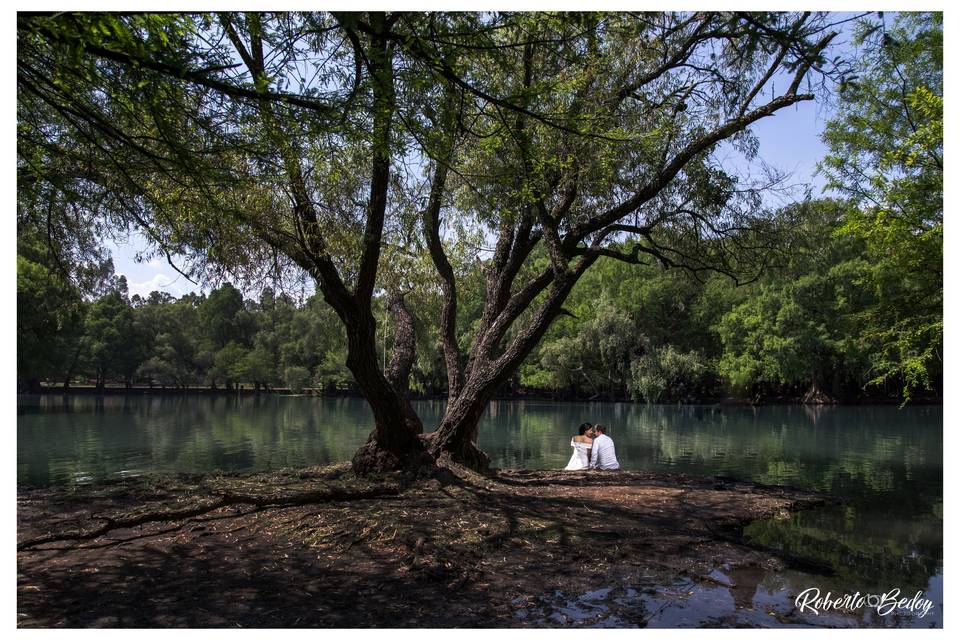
point(532, 395)
point(320, 548)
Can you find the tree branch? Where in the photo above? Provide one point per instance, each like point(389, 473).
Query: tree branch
point(431, 225)
point(194, 76)
point(381, 62)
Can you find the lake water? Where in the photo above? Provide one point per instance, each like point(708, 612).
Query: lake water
point(886, 462)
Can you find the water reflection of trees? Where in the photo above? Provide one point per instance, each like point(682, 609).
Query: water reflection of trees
point(852, 451)
point(870, 551)
point(185, 434)
point(865, 450)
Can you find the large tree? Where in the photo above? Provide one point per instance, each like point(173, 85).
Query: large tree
point(345, 145)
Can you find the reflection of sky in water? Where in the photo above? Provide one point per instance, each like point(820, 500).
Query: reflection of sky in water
point(886, 463)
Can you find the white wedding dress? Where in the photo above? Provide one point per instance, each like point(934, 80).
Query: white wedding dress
point(580, 458)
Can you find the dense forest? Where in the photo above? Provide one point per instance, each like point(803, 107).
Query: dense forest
point(485, 204)
point(814, 321)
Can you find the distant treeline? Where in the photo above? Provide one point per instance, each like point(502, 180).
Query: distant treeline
point(817, 320)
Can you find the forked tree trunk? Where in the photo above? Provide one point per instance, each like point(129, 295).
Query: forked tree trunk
point(394, 443)
point(456, 436)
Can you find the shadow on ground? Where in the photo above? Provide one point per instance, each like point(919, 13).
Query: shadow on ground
point(457, 550)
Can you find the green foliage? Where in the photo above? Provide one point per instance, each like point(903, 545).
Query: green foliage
point(171, 332)
point(296, 378)
point(228, 363)
point(665, 374)
point(49, 318)
point(112, 345)
point(258, 365)
point(886, 154)
point(802, 325)
point(220, 316)
point(598, 358)
point(772, 339)
point(805, 324)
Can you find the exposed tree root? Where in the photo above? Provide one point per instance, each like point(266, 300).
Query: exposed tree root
point(372, 460)
point(223, 499)
point(466, 455)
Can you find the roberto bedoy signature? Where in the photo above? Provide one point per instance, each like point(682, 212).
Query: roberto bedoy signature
point(810, 600)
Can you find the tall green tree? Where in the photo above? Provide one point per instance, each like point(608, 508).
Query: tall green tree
point(886, 154)
point(49, 321)
point(802, 326)
point(113, 348)
point(171, 329)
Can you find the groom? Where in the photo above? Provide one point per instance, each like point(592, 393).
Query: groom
point(604, 456)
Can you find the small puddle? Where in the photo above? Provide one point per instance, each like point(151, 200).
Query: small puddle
point(609, 607)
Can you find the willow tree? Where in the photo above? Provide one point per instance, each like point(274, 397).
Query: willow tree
point(346, 145)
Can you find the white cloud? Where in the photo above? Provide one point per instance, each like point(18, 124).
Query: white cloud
point(159, 282)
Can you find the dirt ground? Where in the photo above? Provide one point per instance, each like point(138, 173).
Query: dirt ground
point(320, 548)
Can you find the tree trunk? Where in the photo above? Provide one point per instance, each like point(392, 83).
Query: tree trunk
point(456, 436)
point(394, 443)
point(489, 370)
point(72, 368)
point(403, 357)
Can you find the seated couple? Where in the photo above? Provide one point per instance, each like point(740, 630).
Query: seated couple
point(592, 449)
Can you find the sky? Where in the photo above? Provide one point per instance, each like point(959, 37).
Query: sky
point(789, 141)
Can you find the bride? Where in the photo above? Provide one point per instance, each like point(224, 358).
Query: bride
point(581, 448)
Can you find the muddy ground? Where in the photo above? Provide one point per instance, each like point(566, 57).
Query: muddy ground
point(320, 548)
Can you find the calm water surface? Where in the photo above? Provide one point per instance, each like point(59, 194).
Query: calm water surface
point(887, 464)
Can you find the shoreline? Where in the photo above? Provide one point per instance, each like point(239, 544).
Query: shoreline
point(318, 547)
point(281, 392)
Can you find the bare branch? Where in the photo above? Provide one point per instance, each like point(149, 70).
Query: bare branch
point(431, 225)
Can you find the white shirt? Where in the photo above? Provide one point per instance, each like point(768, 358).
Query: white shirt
point(603, 456)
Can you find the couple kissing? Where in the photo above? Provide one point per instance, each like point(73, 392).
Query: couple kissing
point(592, 449)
